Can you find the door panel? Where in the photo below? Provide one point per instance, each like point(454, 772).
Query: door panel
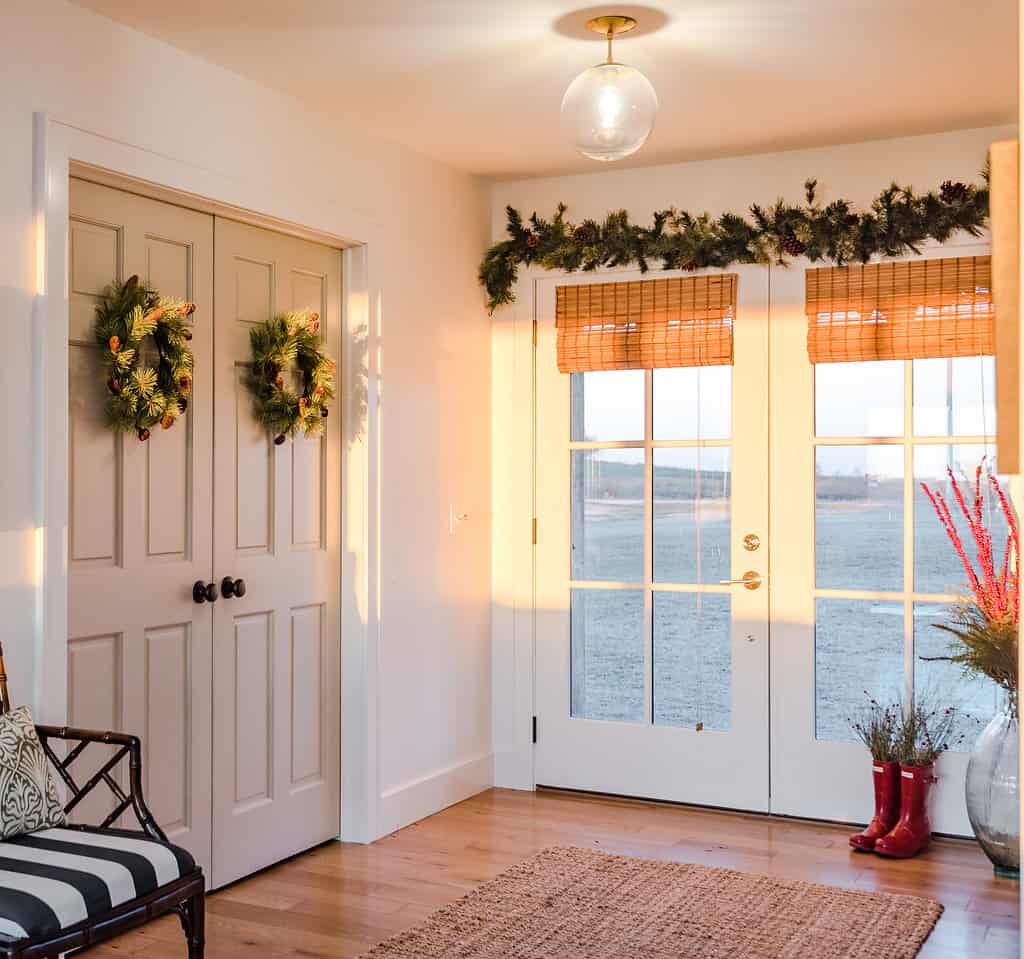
point(651, 673)
point(139, 531)
point(861, 566)
point(276, 654)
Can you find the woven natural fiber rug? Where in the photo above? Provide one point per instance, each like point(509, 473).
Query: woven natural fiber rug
point(582, 904)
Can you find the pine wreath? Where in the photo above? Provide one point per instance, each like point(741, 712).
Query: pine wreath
point(145, 389)
point(290, 344)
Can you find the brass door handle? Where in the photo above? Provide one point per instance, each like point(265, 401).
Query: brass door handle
point(750, 579)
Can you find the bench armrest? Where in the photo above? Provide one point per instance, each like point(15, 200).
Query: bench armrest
point(126, 747)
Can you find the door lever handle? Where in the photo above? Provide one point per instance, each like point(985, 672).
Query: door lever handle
point(750, 579)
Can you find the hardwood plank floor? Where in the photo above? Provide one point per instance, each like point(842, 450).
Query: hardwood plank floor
point(340, 899)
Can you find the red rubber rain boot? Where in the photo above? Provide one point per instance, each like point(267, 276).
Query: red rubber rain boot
point(887, 806)
point(911, 834)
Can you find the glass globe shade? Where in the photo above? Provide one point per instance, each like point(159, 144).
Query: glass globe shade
point(609, 111)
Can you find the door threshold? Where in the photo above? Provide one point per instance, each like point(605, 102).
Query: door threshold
point(728, 810)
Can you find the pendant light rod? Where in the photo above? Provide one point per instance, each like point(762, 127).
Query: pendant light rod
point(611, 27)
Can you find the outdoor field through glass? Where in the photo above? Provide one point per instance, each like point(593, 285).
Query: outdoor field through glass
point(884, 569)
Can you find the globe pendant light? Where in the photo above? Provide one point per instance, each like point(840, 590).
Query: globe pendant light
point(609, 109)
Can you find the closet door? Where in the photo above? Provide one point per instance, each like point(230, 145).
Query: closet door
point(277, 527)
point(139, 520)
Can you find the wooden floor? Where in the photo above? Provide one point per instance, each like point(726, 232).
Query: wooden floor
point(339, 899)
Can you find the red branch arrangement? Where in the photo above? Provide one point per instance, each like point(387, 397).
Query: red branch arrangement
point(997, 594)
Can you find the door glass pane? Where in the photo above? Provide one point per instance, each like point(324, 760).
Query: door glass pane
point(608, 515)
point(693, 403)
point(858, 646)
point(937, 568)
point(691, 514)
point(608, 405)
point(692, 660)
point(607, 666)
point(940, 685)
point(859, 517)
point(955, 397)
point(859, 399)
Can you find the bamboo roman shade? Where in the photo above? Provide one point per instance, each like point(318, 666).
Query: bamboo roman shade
point(646, 324)
point(898, 311)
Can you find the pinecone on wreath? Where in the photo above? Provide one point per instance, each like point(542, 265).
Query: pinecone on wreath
point(584, 234)
point(951, 192)
point(792, 245)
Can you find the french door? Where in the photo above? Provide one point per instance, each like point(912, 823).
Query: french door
point(652, 494)
point(862, 570)
point(653, 676)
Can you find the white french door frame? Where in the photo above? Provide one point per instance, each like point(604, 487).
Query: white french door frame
point(60, 149)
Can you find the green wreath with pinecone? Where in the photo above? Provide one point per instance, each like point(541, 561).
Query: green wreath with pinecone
point(286, 351)
point(146, 385)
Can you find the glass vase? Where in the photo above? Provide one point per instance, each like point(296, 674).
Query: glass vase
point(993, 790)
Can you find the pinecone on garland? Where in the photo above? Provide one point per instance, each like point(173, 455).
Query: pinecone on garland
point(791, 244)
point(532, 241)
point(951, 192)
point(584, 234)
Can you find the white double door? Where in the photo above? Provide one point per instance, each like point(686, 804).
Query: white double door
point(236, 700)
point(658, 678)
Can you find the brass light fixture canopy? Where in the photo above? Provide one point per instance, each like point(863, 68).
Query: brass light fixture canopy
point(611, 26)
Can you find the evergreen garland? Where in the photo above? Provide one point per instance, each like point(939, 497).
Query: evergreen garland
point(142, 395)
point(898, 221)
point(290, 343)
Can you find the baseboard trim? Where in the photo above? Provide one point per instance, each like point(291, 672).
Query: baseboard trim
point(421, 797)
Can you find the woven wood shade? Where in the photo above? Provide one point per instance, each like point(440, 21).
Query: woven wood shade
point(901, 311)
point(646, 324)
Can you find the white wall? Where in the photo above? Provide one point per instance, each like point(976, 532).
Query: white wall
point(429, 225)
point(857, 171)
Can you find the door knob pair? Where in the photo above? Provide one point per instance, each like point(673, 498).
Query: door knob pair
point(207, 592)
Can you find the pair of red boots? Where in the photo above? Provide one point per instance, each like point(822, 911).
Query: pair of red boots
point(900, 827)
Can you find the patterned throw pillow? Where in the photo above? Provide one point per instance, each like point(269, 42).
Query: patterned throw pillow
point(28, 796)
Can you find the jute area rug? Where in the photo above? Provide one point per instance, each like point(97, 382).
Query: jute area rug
point(583, 904)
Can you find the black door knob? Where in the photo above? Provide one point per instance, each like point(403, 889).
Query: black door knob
point(204, 592)
point(232, 587)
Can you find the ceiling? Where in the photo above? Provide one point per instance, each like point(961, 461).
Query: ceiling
point(478, 83)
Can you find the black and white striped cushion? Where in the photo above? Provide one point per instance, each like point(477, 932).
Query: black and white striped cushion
point(56, 878)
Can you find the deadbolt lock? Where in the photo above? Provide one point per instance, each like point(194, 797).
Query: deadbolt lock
point(751, 542)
